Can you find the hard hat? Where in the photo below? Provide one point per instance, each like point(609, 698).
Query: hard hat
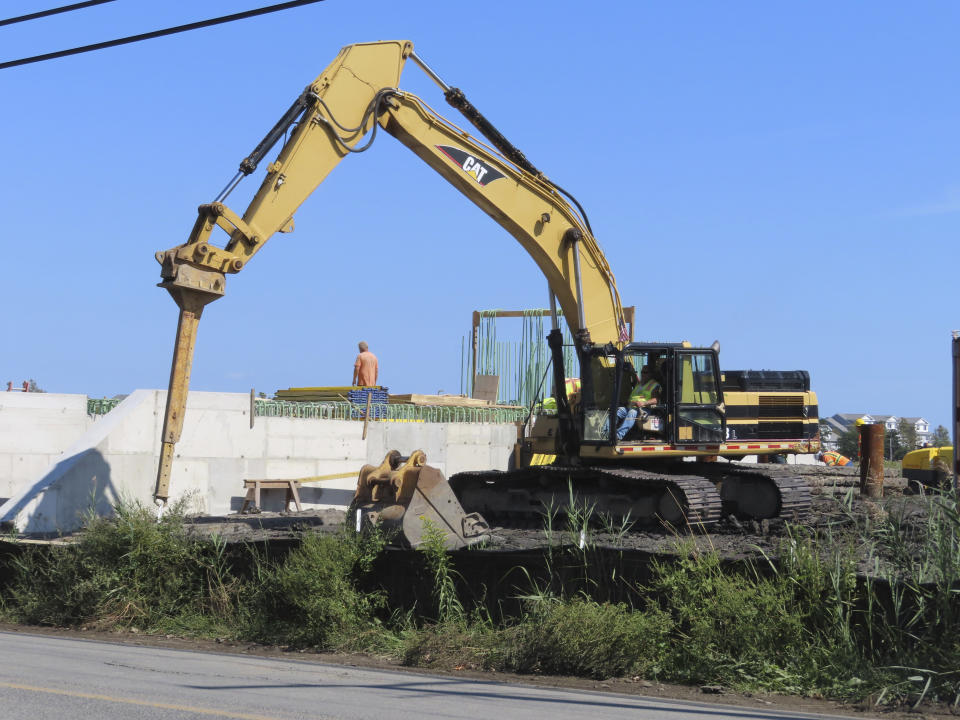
point(859, 421)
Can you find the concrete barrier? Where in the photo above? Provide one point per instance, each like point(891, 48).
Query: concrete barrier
point(35, 430)
point(116, 457)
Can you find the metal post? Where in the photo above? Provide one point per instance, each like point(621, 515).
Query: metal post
point(573, 236)
point(871, 460)
point(956, 409)
point(554, 320)
point(554, 324)
point(366, 416)
point(429, 71)
point(475, 335)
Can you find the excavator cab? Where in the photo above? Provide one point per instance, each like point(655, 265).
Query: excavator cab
point(685, 381)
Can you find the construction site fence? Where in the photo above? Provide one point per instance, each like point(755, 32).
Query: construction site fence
point(399, 412)
point(101, 406)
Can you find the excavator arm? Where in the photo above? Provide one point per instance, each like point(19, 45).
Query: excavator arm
point(339, 114)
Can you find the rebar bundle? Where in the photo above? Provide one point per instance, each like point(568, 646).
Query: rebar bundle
point(521, 362)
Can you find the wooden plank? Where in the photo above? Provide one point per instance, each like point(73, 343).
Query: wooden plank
point(486, 387)
point(445, 401)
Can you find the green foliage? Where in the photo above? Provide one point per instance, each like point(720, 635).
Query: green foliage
point(559, 637)
point(806, 621)
point(941, 437)
point(126, 571)
point(449, 607)
point(586, 638)
point(849, 443)
point(907, 435)
point(311, 598)
point(916, 617)
point(744, 630)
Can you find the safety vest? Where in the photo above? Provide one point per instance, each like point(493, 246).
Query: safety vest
point(645, 391)
point(834, 458)
point(572, 385)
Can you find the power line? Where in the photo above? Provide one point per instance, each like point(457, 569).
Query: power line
point(55, 11)
point(157, 33)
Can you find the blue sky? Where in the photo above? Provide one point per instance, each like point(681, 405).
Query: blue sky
point(782, 177)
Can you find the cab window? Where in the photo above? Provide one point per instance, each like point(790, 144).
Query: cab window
point(596, 407)
point(698, 383)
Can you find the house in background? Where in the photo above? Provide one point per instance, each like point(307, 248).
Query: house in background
point(924, 434)
point(842, 422)
point(831, 430)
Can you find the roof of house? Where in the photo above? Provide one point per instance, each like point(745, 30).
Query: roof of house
point(835, 425)
point(847, 418)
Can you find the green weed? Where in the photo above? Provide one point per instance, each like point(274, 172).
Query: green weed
point(311, 598)
point(126, 571)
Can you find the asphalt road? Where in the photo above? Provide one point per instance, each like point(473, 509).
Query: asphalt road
point(51, 678)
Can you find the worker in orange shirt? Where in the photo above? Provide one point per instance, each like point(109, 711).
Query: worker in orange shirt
point(834, 458)
point(366, 367)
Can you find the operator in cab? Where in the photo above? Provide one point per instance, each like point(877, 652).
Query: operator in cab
point(646, 393)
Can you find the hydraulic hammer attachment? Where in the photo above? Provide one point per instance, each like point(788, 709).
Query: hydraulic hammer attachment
point(407, 496)
point(191, 301)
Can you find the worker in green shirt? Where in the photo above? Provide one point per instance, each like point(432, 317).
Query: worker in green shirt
point(645, 394)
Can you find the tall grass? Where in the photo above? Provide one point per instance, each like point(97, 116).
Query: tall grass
point(868, 608)
point(311, 597)
point(127, 571)
point(130, 571)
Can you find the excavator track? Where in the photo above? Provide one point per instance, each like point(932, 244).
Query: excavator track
point(757, 493)
point(623, 497)
point(696, 494)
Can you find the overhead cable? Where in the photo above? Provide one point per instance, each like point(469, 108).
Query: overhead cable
point(54, 11)
point(158, 33)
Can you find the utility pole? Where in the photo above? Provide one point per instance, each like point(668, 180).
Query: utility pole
point(955, 409)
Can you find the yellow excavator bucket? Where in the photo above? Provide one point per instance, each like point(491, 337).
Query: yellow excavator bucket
point(405, 496)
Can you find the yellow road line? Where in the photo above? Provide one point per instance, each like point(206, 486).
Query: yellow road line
point(144, 703)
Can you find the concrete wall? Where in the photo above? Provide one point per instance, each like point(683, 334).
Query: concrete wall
point(35, 429)
point(116, 457)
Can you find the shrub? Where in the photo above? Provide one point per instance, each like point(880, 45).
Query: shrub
point(311, 598)
point(586, 638)
point(126, 571)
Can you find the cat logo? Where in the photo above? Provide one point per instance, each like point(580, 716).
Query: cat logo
point(480, 172)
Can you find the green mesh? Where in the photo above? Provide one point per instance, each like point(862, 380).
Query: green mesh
point(101, 406)
point(388, 413)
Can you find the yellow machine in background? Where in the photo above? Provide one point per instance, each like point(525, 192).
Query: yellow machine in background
point(928, 467)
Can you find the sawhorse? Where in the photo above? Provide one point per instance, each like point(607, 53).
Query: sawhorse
point(254, 487)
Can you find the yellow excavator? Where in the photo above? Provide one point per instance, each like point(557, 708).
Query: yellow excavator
point(701, 413)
